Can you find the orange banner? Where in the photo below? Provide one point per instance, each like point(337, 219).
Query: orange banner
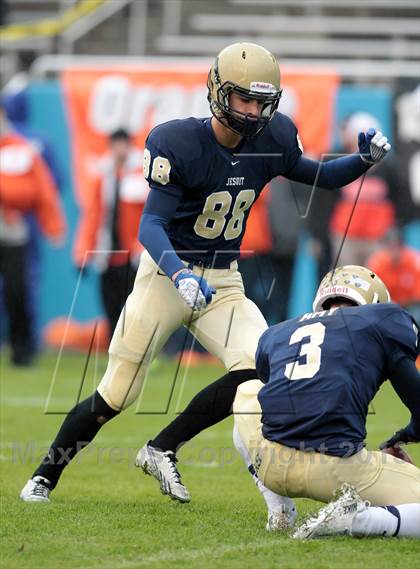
point(99, 101)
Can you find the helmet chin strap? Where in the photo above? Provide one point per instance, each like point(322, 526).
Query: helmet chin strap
point(246, 127)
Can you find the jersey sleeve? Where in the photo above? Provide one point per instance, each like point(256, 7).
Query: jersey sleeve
point(405, 379)
point(49, 211)
point(162, 165)
point(400, 335)
point(287, 145)
point(262, 364)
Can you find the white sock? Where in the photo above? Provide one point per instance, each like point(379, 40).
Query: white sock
point(402, 521)
point(410, 520)
point(375, 521)
point(275, 502)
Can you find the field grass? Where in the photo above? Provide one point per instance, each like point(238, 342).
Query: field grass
point(105, 514)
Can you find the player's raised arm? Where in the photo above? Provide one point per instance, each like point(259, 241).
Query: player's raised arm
point(373, 147)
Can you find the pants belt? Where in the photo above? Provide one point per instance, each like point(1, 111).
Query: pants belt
point(209, 264)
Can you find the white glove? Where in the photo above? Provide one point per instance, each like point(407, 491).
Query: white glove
point(373, 146)
point(194, 290)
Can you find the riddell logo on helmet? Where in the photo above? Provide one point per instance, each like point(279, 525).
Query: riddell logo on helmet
point(261, 87)
point(334, 290)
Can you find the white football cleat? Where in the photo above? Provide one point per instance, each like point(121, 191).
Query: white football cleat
point(336, 518)
point(281, 520)
point(37, 489)
point(162, 466)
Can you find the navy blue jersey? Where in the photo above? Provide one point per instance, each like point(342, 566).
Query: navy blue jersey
point(217, 185)
point(322, 370)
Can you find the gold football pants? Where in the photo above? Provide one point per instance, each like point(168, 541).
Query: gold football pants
point(378, 477)
point(229, 328)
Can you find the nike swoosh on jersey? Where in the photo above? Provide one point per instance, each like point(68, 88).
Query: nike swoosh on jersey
point(233, 163)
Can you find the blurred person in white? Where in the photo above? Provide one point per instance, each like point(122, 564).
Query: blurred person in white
point(109, 222)
point(27, 187)
point(375, 209)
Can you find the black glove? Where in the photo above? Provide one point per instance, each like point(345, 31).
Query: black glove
point(402, 436)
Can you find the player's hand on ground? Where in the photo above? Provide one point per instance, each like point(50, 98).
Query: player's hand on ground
point(373, 146)
point(392, 445)
point(398, 452)
point(194, 290)
point(403, 436)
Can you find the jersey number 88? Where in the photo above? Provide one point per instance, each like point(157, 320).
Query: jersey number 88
point(211, 223)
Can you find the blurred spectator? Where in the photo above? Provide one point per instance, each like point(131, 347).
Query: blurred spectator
point(16, 103)
point(287, 208)
point(374, 213)
point(110, 217)
point(317, 224)
point(270, 245)
point(399, 268)
point(407, 135)
point(26, 187)
point(254, 263)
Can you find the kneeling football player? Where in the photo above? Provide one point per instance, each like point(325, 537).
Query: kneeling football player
point(303, 425)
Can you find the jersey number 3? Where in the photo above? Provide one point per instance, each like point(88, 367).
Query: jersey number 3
point(312, 351)
point(211, 223)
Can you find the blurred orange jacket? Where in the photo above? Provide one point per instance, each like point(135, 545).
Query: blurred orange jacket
point(373, 215)
point(401, 275)
point(26, 186)
point(93, 238)
point(257, 238)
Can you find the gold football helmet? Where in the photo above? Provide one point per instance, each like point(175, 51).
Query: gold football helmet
point(251, 71)
point(353, 282)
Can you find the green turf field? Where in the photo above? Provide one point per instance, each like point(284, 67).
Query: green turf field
point(106, 514)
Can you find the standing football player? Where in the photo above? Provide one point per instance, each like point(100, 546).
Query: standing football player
point(204, 176)
point(303, 429)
